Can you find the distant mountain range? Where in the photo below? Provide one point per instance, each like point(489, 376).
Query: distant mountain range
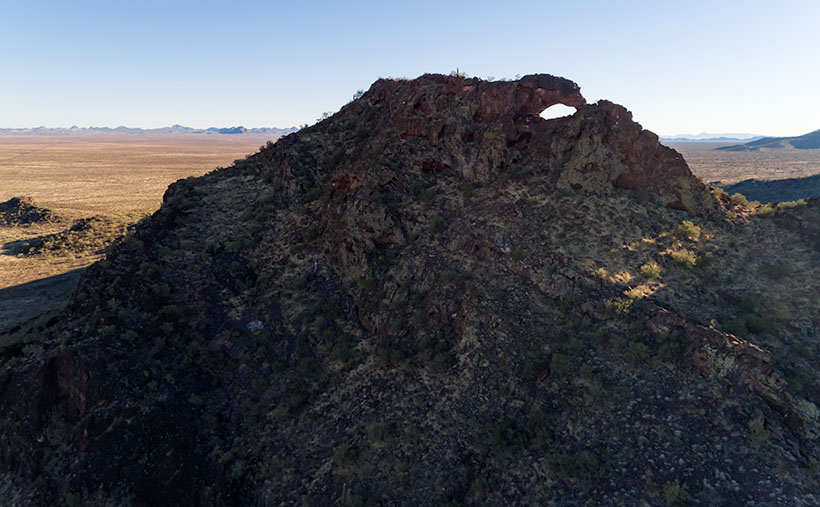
point(710, 137)
point(810, 141)
point(175, 129)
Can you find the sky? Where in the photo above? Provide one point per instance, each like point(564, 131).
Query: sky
point(680, 67)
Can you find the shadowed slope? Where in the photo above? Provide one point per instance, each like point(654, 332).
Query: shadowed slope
point(433, 296)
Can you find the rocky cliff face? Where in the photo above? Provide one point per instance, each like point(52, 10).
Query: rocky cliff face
point(433, 296)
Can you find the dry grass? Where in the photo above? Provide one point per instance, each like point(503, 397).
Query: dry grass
point(79, 176)
point(733, 166)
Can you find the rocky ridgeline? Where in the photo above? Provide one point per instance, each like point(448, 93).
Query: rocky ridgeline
point(434, 296)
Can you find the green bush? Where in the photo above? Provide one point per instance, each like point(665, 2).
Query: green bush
point(706, 260)
point(583, 465)
point(684, 257)
point(670, 351)
point(766, 211)
point(618, 306)
point(344, 455)
point(650, 270)
point(688, 230)
point(674, 493)
point(437, 225)
point(559, 364)
point(380, 431)
point(739, 199)
point(637, 352)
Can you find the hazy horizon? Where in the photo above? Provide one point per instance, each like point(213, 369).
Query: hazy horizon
point(733, 67)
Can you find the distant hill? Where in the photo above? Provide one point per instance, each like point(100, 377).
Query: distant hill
point(174, 129)
point(791, 189)
point(709, 137)
point(810, 141)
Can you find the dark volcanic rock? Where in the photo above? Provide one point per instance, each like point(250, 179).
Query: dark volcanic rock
point(434, 296)
point(19, 211)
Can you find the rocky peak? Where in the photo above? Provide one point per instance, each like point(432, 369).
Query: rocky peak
point(483, 129)
point(530, 95)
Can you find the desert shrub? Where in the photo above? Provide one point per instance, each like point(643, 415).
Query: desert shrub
point(758, 434)
point(481, 487)
point(778, 270)
point(559, 364)
point(344, 455)
point(688, 230)
point(766, 211)
point(313, 194)
point(341, 352)
point(582, 465)
point(422, 192)
point(637, 352)
point(650, 270)
point(380, 431)
point(706, 260)
point(568, 302)
point(739, 199)
point(437, 225)
point(670, 351)
point(595, 391)
point(618, 306)
point(602, 273)
point(749, 322)
point(674, 493)
point(362, 133)
point(521, 170)
point(505, 434)
point(452, 277)
point(390, 355)
point(435, 353)
point(782, 206)
point(684, 257)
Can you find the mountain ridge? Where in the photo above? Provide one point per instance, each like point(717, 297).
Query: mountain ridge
point(174, 129)
point(711, 137)
point(810, 141)
point(433, 296)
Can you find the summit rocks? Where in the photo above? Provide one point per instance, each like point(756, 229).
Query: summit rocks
point(483, 129)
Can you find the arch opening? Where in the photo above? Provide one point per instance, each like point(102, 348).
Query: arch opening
point(557, 111)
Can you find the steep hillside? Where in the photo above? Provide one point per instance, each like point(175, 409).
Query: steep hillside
point(789, 189)
point(433, 297)
point(810, 141)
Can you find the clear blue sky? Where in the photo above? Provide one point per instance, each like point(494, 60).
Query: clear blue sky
point(680, 67)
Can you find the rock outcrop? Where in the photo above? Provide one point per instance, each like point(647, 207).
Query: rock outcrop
point(21, 211)
point(481, 129)
point(434, 296)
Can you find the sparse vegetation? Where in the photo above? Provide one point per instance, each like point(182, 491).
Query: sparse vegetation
point(687, 230)
point(684, 257)
point(650, 270)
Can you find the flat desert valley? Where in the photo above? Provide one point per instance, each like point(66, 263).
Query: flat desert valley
point(728, 167)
